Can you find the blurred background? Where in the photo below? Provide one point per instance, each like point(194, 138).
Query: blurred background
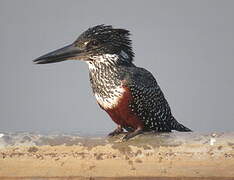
point(187, 45)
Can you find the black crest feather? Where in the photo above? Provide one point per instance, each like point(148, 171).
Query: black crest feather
point(112, 40)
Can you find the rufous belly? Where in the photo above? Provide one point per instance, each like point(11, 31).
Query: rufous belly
point(121, 113)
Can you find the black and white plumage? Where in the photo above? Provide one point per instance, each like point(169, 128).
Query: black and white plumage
point(149, 102)
point(129, 94)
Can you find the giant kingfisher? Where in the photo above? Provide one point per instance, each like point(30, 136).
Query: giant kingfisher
point(129, 94)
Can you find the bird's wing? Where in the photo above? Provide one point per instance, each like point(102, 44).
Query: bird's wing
point(148, 102)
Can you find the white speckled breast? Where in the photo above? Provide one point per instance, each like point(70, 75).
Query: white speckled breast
point(113, 100)
point(105, 81)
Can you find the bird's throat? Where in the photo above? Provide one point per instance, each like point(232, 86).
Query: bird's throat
point(105, 80)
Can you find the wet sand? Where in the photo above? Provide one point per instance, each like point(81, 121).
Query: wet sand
point(165, 156)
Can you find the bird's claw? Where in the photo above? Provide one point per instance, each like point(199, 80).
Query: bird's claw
point(116, 132)
point(132, 134)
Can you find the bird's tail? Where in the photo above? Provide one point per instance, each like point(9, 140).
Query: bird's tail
point(175, 125)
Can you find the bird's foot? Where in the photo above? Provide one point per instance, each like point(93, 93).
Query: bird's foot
point(117, 131)
point(132, 134)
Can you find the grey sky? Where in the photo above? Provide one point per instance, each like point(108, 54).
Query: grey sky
point(187, 45)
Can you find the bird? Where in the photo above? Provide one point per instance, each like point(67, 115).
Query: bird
point(129, 94)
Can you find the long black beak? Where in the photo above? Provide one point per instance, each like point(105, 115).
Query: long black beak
point(59, 55)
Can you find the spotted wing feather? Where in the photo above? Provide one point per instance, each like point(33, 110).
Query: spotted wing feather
point(149, 103)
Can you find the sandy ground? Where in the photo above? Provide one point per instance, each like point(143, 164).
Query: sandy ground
point(147, 156)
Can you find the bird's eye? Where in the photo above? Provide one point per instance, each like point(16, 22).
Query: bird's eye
point(92, 43)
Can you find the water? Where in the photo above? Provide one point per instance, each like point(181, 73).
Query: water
point(76, 138)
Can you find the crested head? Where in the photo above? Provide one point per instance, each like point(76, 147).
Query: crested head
point(104, 40)
point(95, 44)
